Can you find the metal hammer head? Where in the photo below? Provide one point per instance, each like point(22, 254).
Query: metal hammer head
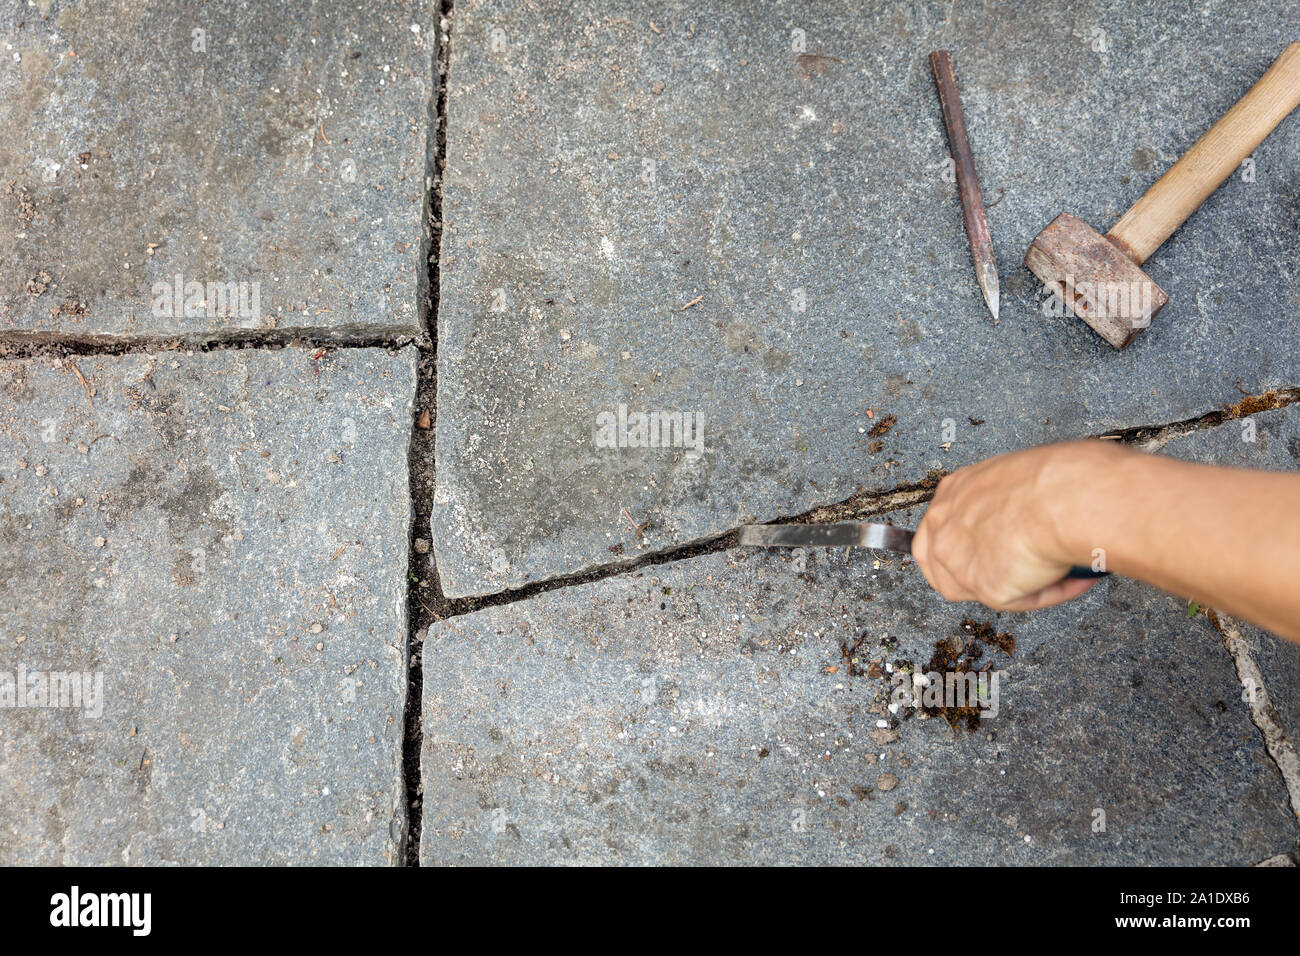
point(1095, 280)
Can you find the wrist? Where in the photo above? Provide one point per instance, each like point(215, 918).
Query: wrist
point(1080, 483)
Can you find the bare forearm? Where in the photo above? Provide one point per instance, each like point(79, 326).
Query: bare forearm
point(1006, 530)
point(1224, 537)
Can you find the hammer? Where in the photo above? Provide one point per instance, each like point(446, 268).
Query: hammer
point(1099, 277)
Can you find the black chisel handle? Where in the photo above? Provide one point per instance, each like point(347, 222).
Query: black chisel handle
point(1079, 571)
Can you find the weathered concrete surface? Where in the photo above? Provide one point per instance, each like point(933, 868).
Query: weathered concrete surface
point(611, 163)
point(1269, 439)
point(284, 145)
point(702, 712)
point(223, 537)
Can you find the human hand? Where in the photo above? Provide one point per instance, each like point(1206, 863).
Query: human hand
point(1005, 531)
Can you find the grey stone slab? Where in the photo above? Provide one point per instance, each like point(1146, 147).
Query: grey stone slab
point(702, 712)
point(604, 174)
point(223, 539)
point(1269, 439)
point(224, 142)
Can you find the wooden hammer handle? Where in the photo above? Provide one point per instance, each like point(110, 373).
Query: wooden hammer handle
point(1188, 183)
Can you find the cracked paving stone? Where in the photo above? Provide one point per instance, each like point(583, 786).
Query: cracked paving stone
point(273, 153)
point(743, 216)
point(223, 539)
point(703, 711)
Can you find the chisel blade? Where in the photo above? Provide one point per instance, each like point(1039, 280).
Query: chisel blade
point(849, 534)
point(844, 534)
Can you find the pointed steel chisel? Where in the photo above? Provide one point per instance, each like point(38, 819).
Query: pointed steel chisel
point(848, 534)
point(968, 185)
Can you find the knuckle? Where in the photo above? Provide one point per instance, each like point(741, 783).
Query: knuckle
point(1001, 595)
point(943, 543)
point(946, 590)
point(935, 518)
